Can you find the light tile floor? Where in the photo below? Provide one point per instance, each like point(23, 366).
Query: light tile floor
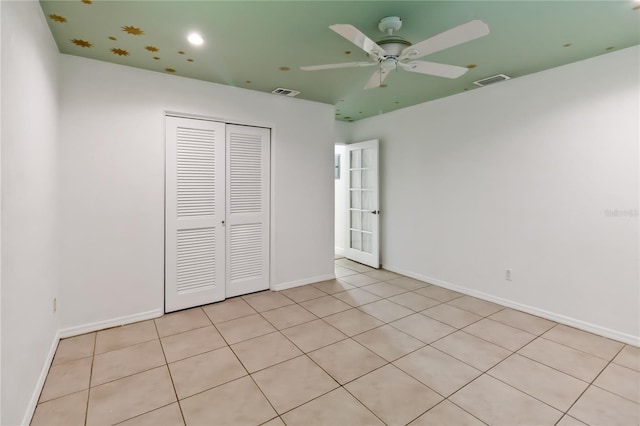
point(370, 348)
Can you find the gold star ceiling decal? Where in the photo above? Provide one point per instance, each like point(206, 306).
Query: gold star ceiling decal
point(86, 1)
point(57, 18)
point(169, 70)
point(132, 30)
point(81, 43)
point(119, 52)
point(151, 48)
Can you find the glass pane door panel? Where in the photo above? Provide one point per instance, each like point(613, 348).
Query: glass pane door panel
point(367, 157)
point(356, 240)
point(367, 200)
point(367, 179)
point(355, 179)
point(356, 223)
point(367, 243)
point(367, 221)
point(356, 197)
point(354, 161)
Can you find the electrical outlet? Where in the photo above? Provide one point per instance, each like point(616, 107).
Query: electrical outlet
point(55, 305)
point(507, 274)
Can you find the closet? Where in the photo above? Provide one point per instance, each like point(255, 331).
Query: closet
point(217, 205)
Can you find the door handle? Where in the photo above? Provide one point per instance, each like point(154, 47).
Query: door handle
point(375, 212)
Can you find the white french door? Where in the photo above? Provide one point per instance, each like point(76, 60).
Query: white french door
point(216, 211)
point(363, 212)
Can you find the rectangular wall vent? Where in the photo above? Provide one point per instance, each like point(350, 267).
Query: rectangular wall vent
point(285, 92)
point(491, 80)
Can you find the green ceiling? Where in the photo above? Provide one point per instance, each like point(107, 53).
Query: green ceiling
point(248, 42)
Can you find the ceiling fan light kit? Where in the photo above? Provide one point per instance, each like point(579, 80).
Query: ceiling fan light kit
point(393, 52)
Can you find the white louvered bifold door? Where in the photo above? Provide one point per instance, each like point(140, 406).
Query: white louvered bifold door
point(248, 160)
point(195, 208)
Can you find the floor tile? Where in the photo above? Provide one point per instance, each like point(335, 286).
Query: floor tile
point(346, 360)
point(392, 395)
point(523, 321)
point(189, 343)
point(332, 286)
point(302, 293)
point(244, 328)
point(620, 380)
point(276, 421)
point(73, 348)
point(386, 311)
point(496, 403)
point(294, 382)
point(267, 300)
point(629, 357)
point(356, 297)
point(477, 306)
point(474, 351)
point(288, 316)
point(422, 328)
point(67, 378)
point(205, 371)
point(358, 280)
point(451, 315)
point(587, 342)
point(353, 321)
point(439, 371)
point(446, 414)
point(126, 335)
point(413, 301)
point(178, 322)
point(341, 271)
point(568, 360)
point(358, 267)
point(383, 289)
point(228, 310)
point(544, 383)
point(265, 351)
point(389, 342)
point(324, 306)
point(313, 335)
point(128, 397)
point(439, 293)
point(169, 415)
point(126, 361)
point(599, 407)
point(68, 410)
point(382, 275)
point(570, 421)
point(408, 283)
point(500, 334)
point(223, 406)
point(337, 407)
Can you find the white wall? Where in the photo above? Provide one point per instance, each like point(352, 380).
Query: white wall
point(520, 175)
point(112, 183)
point(29, 194)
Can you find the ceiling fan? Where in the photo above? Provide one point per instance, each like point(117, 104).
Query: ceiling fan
point(393, 52)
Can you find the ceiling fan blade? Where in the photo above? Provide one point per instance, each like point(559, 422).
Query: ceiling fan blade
point(452, 37)
point(356, 37)
point(334, 66)
point(377, 78)
point(433, 68)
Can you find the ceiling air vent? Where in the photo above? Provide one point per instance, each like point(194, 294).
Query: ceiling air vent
point(491, 80)
point(285, 92)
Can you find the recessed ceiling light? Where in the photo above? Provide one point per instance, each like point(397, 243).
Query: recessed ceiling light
point(195, 39)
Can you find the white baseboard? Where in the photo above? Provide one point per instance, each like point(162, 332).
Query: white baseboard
point(553, 316)
point(31, 408)
point(114, 322)
point(339, 251)
point(298, 283)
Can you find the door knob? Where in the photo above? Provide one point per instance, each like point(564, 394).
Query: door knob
point(375, 212)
